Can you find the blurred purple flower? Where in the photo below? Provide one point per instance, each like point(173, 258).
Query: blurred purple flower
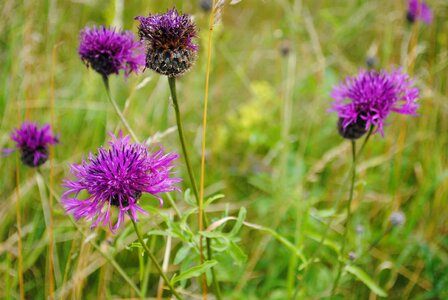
point(32, 142)
point(368, 99)
point(108, 51)
point(418, 10)
point(168, 37)
point(117, 177)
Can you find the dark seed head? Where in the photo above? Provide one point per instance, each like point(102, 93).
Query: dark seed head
point(170, 62)
point(285, 48)
point(354, 130)
point(169, 40)
point(103, 64)
point(27, 156)
point(125, 202)
point(410, 17)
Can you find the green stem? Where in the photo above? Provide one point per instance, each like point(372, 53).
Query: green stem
point(155, 262)
point(347, 225)
point(365, 141)
point(180, 130)
point(117, 109)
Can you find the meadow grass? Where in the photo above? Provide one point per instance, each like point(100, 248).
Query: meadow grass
point(272, 148)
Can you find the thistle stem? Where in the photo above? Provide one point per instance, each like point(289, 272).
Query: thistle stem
point(19, 234)
point(180, 130)
point(117, 109)
point(172, 84)
point(347, 224)
point(154, 260)
point(365, 140)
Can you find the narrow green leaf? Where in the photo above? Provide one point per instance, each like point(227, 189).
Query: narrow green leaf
point(194, 271)
point(213, 199)
point(181, 254)
point(187, 198)
point(237, 253)
point(366, 279)
point(239, 222)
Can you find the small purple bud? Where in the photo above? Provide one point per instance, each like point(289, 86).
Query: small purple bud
point(206, 5)
point(352, 255)
point(371, 62)
point(285, 48)
point(397, 218)
point(360, 229)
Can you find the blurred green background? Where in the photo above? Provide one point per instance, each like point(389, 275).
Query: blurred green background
point(272, 146)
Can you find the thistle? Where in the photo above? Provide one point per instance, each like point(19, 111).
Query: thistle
point(33, 143)
point(168, 38)
point(418, 10)
point(117, 177)
point(368, 99)
point(108, 51)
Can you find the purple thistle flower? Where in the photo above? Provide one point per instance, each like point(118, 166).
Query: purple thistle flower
point(368, 99)
point(117, 177)
point(169, 43)
point(418, 10)
point(108, 51)
point(32, 142)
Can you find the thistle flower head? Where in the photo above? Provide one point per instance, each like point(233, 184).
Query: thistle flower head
point(418, 10)
point(32, 142)
point(117, 177)
point(368, 98)
point(168, 37)
point(108, 51)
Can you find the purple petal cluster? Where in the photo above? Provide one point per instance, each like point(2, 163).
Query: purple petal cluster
point(108, 51)
point(33, 143)
point(117, 177)
point(418, 10)
point(168, 37)
point(368, 98)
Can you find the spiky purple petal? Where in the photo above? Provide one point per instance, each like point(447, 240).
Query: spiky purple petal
point(108, 51)
point(371, 96)
point(419, 10)
point(117, 177)
point(32, 142)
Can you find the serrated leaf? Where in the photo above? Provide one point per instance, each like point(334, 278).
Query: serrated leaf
point(194, 271)
point(366, 279)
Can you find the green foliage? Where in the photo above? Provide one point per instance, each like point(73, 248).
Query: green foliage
point(277, 233)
